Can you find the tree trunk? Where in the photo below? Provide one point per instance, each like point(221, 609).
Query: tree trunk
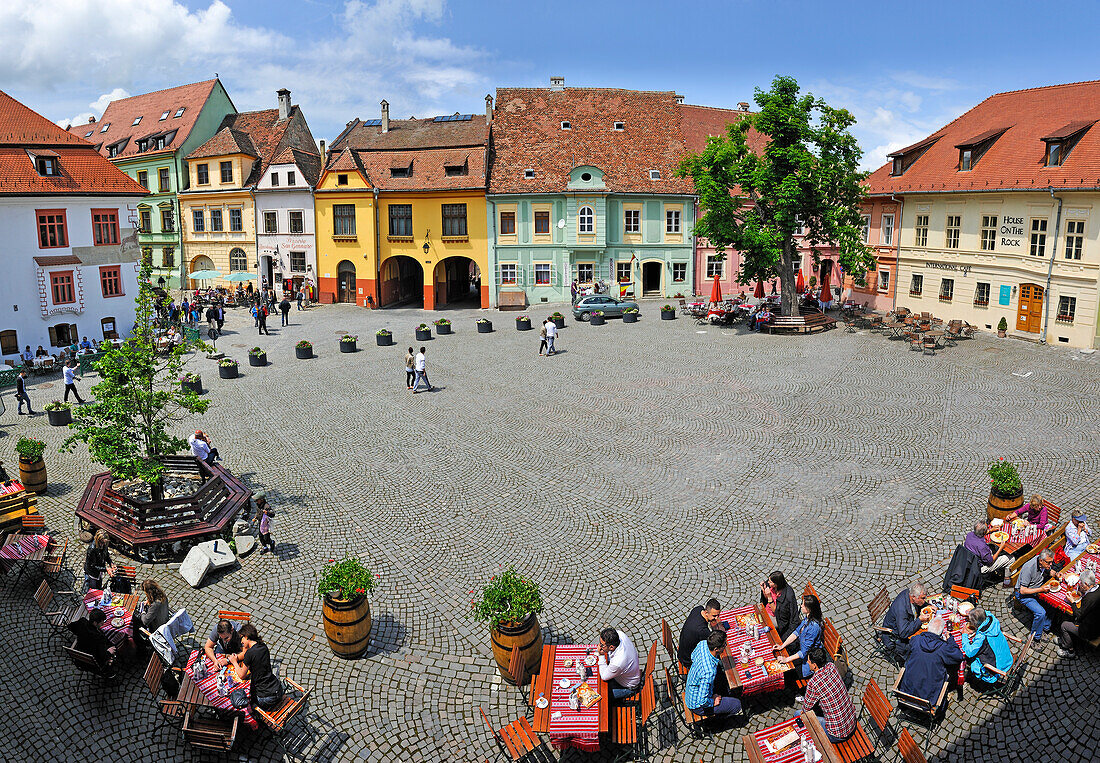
point(156, 489)
point(788, 300)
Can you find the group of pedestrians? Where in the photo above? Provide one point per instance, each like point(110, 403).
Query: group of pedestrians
point(416, 370)
point(22, 395)
point(547, 334)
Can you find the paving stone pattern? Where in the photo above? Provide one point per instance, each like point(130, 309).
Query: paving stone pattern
point(639, 471)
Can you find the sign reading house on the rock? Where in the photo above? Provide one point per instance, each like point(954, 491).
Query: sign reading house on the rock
point(1012, 232)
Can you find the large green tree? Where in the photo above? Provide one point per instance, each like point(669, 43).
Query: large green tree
point(126, 426)
point(807, 173)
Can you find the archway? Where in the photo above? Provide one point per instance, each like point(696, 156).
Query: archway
point(652, 278)
point(457, 282)
point(345, 281)
point(202, 262)
point(402, 282)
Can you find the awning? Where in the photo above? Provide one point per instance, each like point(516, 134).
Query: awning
point(47, 261)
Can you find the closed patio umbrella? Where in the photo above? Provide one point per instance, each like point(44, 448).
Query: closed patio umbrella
point(799, 282)
point(759, 291)
point(716, 292)
point(826, 292)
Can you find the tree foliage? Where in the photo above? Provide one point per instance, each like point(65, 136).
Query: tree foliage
point(126, 426)
point(807, 173)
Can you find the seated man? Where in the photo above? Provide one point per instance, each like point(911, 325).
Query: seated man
point(1077, 536)
point(618, 664)
point(762, 318)
point(1031, 581)
point(904, 618)
point(932, 660)
point(983, 643)
point(992, 562)
point(254, 663)
point(699, 694)
point(1086, 615)
point(200, 447)
point(86, 344)
point(698, 626)
point(27, 356)
point(827, 691)
point(41, 352)
point(91, 640)
point(222, 642)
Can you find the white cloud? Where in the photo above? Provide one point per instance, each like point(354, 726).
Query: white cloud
point(98, 106)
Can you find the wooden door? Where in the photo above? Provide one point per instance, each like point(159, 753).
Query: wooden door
point(1029, 315)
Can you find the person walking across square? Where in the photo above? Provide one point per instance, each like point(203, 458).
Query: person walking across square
point(261, 319)
point(551, 335)
point(410, 368)
point(21, 392)
point(267, 522)
point(70, 381)
point(421, 364)
point(284, 308)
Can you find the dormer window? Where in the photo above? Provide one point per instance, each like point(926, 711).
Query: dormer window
point(1060, 142)
point(105, 127)
point(401, 172)
point(46, 166)
point(966, 159)
point(136, 122)
point(290, 178)
point(566, 124)
point(179, 113)
point(896, 167)
point(528, 174)
point(112, 151)
point(274, 178)
point(971, 151)
point(89, 133)
point(654, 174)
point(164, 115)
point(142, 145)
point(160, 142)
point(341, 180)
point(902, 160)
point(619, 127)
point(455, 170)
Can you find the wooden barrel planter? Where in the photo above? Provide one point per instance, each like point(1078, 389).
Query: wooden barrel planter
point(257, 360)
point(33, 475)
point(1000, 507)
point(668, 315)
point(61, 417)
point(527, 635)
point(523, 324)
point(596, 320)
point(442, 328)
point(484, 327)
point(347, 625)
point(630, 317)
point(383, 340)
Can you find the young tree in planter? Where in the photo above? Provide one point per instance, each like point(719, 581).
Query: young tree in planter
point(126, 425)
point(807, 173)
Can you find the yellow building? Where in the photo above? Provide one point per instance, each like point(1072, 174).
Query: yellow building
point(418, 187)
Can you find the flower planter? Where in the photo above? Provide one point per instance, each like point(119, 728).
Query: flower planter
point(443, 328)
point(257, 360)
point(347, 625)
point(33, 475)
point(423, 335)
point(630, 317)
point(227, 372)
point(523, 324)
point(303, 353)
point(484, 327)
point(192, 386)
point(559, 322)
point(61, 417)
point(1002, 334)
point(527, 635)
point(347, 346)
point(596, 320)
point(668, 315)
point(1002, 506)
point(384, 340)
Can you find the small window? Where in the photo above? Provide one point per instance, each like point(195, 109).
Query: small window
point(507, 223)
point(981, 295)
point(920, 231)
point(619, 127)
point(866, 229)
point(296, 224)
point(46, 166)
point(179, 112)
point(9, 342)
point(989, 233)
point(528, 174)
point(271, 222)
point(672, 221)
point(884, 280)
point(198, 221)
point(167, 221)
point(236, 223)
point(297, 262)
point(586, 177)
point(164, 115)
point(227, 171)
point(454, 170)
point(274, 178)
point(566, 124)
point(110, 280)
point(1075, 239)
point(89, 133)
point(143, 179)
point(623, 271)
point(716, 266)
point(215, 220)
point(164, 180)
point(654, 174)
point(237, 259)
point(145, 220)
point(341, 180)
point(105, 127)
point(168, 256)
point(343, 220)
point(290, 179)
point(951, 231)
point(947, 289)
point(897, 166)
point(887, 227)
point(542, 223)
point(52, 231)
point(401, 220)
point(454, 220)
point(1067, 309)
point(202, 174)
point(966, 159)
point(400, 172)
point(632, 221)
point(543, 273)
point(508, 272)
point(679, 272)
point(1054, 153)
point(136, 122)
point(916, 286)
point(1038, 237)
point(586, 220)
point(61, 288)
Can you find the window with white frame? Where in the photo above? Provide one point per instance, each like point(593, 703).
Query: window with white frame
point(297, 262)
point(884, 280)
point(679, 271)
point(632, 221)
point(920, 231)
point(623, 272)
point(296, 224)
point(866, 229)
point(237, 259)
point(947, 289)
point(544, 272)
point(271, 222)
point(981, 295)
point(672, 221)
point(274, 179)
point(586, 272)
point(1067, 309)
point(716, 266)
point(989, 233)
point(1038, 237)
point(887, 229)
point(586, 220)
point(508, 271)
point(1075, 239)
point(951, 231)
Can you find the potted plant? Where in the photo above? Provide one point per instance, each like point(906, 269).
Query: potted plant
point(523, 323)
point(596, 318)
point(191, 382)
point(630, 315)
point(303, 350)
point(257, 357)
point(59, 413)
point(678, 295)
point(1006, 490)
point(32, 469)
point(668, 313)
point(484, 325)
point(343, 588)
point(383, 337)
point(423, 332)
point(347, 343)
point(227, 368)
point(509, 602)
point(558, 319)
point(1002, 328)
point(442, 326)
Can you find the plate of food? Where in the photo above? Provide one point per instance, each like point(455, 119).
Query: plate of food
point(999, 537)
point(964, 608)
point(1020, 524)
point(1054, 585)
point(590, 660)
point(1071, 579)
point(542, 703)
point(117, 622)
point(563, 683)
point(930, 611)
point(1093, 548)
point(567, 662)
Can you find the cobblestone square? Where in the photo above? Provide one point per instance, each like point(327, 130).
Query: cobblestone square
point(639, 471)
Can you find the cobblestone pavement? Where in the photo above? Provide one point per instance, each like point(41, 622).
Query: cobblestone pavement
point(639, 471)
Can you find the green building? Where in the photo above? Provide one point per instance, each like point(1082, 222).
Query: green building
point(147, 136)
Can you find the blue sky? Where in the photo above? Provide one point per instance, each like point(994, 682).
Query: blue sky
point(902, 70)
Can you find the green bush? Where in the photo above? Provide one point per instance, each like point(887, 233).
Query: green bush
point(508, 597)
point(1005, 478)
point(30, 449)
point(345, 579)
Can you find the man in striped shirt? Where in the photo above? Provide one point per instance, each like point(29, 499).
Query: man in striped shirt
point(699, 693)
point(826, 689)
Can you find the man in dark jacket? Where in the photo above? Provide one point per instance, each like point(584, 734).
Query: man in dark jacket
point(284, 308)
point(904, 618)
point(1086, 615)
point(91, 640)
point(699, 624)
point(932, 660)
point(21, 392)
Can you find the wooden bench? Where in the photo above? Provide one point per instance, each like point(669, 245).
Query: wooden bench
point(124, 580)
point(233, 615)
point(15, 506)
point(630, 716)
point(878, 707)
point(277, 718)
point(517, 739)
point(33, 523)
point(1055, 539)
point(672, 648)
point(210, 733)
point(964, 594)
point(693, 721)
point(800, 324)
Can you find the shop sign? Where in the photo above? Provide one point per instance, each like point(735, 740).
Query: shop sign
point(1012, 232)
point(1005, 295)
point(964, 269)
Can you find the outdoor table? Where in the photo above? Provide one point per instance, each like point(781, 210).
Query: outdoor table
point(953, 629)
point(204, 693)
point(1059, 599)
point(752, 678)
point(897, 328)
point(1028, 535)
point(807, 726)
point(122, 605)
point(573, 728)
point(18, 547)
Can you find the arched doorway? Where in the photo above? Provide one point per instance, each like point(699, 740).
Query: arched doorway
point(457, 282)
point(652, 278)
point(402, 282)
point(202, 262)
point(345, 281)
point(1029, 314)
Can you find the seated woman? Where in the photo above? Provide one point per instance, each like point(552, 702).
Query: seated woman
point(254, 663)
point(983, 643)
point(41, 352)
point(781, 603)
point(808, 635)
point(151, 614)
point(1034, 511)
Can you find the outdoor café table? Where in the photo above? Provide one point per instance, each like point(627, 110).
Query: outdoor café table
point(573, 728)
point(22, 548)
point(204, 693)
point(1027, 535)
point(807, 726)
point(122, 605)
point(897, 328)
point(752, 678)
point(1059, 599)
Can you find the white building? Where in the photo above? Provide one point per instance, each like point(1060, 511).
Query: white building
point(69, 251)
point(285, 241)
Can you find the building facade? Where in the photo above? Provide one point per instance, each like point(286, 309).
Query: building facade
point(997, 217)
point(70, 259)
point(583, 188)
point(345, 203)
point(285, 238)
point(147, 136)
point(218, 208)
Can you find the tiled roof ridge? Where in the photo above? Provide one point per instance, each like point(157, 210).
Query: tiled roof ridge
point(162, 90)
point(1045, 87)
point(589, 89)
point(719, 108)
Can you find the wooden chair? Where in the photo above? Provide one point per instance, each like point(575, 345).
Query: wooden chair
point(54, 560)
point(928, 345)
point(809, 590)
point(124, 580)
point(876, 609)
point(908, 749)
point(1008, 681)
point(878, 707)
point(629, 717)
point(86, 662)
point(965, 594)
point(228, 614)
point(517, 669)
point(673, 650)
point(517, 740)
point(919, 706)
point(278, 717)
point(857, 747)
point(58, 614)
point(693, 722)
point(210, 733)
point(834, 645)
point(33, 523)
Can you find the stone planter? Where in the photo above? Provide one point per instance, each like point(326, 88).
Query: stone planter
point(347, 346)
point(347, 625)
point(1002, 334)
point(193, 386)
point(383, 340)
point(559, 322)
point(443, 328)
point(257, 360)
point(523, 324)
point(61, 417)
point(668, 315)
point(423, 335)
point(303, 353)
point(630, 317)
point(1002, 506)
point(527, 635)
point(227, 372)
point(484, 327)
point(33, 475)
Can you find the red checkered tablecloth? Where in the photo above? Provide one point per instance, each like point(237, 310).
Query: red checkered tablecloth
point(1028, 535)
point(792, 754)
point(24, 547)
point(575, 728)
point(755, 679)
point(1059, 600)
point(116, 635)
point(209, 687)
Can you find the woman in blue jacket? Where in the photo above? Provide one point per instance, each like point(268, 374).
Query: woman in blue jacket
point(808, 634)
point(983, 643)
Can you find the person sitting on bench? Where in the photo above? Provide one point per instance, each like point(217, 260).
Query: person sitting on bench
point(699, 694)
point(992, 562)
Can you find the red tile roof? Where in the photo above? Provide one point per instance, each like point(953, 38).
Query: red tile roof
point(702, 122)
point(82, 171)
point(120, 116)
point(1015, 161)
point(308, 163)
point(260, 134)
point(405, 134)
point(428, 169)
point(527, 134)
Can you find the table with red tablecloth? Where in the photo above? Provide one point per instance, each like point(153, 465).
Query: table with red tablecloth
point(1018, 537)
point(205, 691)
point(1060, 599)
point(808, 728)
point(761, 636)
point(121, 605)
point(579, 728)
point(23, 546)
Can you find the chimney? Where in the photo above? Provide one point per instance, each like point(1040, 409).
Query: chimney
point(284, 103)
point(557, 83)
point(743, 106)
point(679, 98)
point(91, 120)
point(385, 115)
point(488, 108)
point(322, 151)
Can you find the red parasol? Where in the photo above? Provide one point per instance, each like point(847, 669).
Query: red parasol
point(800, 283)
point(826, 292)
point(716, 292)
point(759, 292)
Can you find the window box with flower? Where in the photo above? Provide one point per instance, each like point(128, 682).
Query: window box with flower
point(343, 588)
point(630, 315)
point(509, 603)
point(596, 318)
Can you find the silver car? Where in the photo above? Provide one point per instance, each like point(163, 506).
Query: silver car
point(608, 306)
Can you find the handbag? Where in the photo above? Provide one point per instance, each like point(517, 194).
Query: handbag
point(238, 697)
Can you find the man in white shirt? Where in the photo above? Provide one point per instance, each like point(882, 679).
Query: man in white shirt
point(1077, 536)
point(200, 447)
point(28, 356)
point(551, 334)
point(420, 364)
point(70, 381)
point(618, 664)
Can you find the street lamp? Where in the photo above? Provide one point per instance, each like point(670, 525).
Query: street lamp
point(427, 248)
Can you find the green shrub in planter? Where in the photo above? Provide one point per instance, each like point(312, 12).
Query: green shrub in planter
point(59, 413)
point(347, 343)
point(442, 326)
point(630, 315)
point(423, 332)
point(668, 313)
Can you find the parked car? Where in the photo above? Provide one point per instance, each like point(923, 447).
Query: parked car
point(607, 305)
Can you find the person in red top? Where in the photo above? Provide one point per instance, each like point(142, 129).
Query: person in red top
point(826, 689)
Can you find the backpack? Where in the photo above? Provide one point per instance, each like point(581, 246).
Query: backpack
point(542, 332)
